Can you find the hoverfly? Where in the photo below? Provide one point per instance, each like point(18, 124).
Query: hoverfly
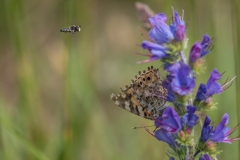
point(72, 29)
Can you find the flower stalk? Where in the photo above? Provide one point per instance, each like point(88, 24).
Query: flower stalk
point(175, 125)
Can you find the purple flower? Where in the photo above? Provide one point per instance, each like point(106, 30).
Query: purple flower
point(160, 33)
point(212, 87)
point(156, 51)
point(205, 157)
point(199, 50)
point(183, 81)
point(169, 121)
point(167, 85)
point(190, 119)
point(178, 27)
point(206, 130)
point(179, 33)
point(218, 134)
point(195, 52)
point(158, 18)
point(201, 94)
point(206, 44)
point(171, 158)
point(177, 19)
point(164, 136)
point(172, 68)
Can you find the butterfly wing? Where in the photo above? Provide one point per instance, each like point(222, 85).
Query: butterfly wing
point(139, 98)
point(130, 103)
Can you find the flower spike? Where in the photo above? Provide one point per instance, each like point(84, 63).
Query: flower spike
point(169, 101)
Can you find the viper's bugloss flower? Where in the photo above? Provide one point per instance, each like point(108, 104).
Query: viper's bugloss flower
point(195, 52)
point(169, 121)
point(199, 50)
point(211, 87)
point(167, 137)
point(175, 125)
point(206, 45)
point(156, 51)
point(190, 119)
point(166, 40)
point(211, 136)
point(178, 27)
point(220, 133)
point(183, 81)
point(160, 33)
point(205, 157)
point(205, 92)
point(206, 130)
point(167, 84)
point(201, 94)
point(214, 87)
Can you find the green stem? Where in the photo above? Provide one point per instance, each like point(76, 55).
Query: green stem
point(236, 24)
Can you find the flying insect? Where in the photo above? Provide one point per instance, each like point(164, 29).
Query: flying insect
point(72, 29)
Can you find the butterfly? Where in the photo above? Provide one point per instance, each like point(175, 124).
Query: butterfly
point(144, 96)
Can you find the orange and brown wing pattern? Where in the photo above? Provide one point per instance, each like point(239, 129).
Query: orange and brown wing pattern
point(141, 97)
point(129, 102)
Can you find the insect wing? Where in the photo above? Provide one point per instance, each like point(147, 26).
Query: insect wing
point(142, 96)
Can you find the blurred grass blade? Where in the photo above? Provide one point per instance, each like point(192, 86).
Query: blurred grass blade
point(236, 39)
point(12, 132)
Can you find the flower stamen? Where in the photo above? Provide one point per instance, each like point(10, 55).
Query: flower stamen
point(228, 84)
point(144, 34)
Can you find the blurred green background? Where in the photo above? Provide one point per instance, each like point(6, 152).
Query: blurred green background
point(55, 87)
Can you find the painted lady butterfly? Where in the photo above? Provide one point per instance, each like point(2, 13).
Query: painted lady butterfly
point(142, 96)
